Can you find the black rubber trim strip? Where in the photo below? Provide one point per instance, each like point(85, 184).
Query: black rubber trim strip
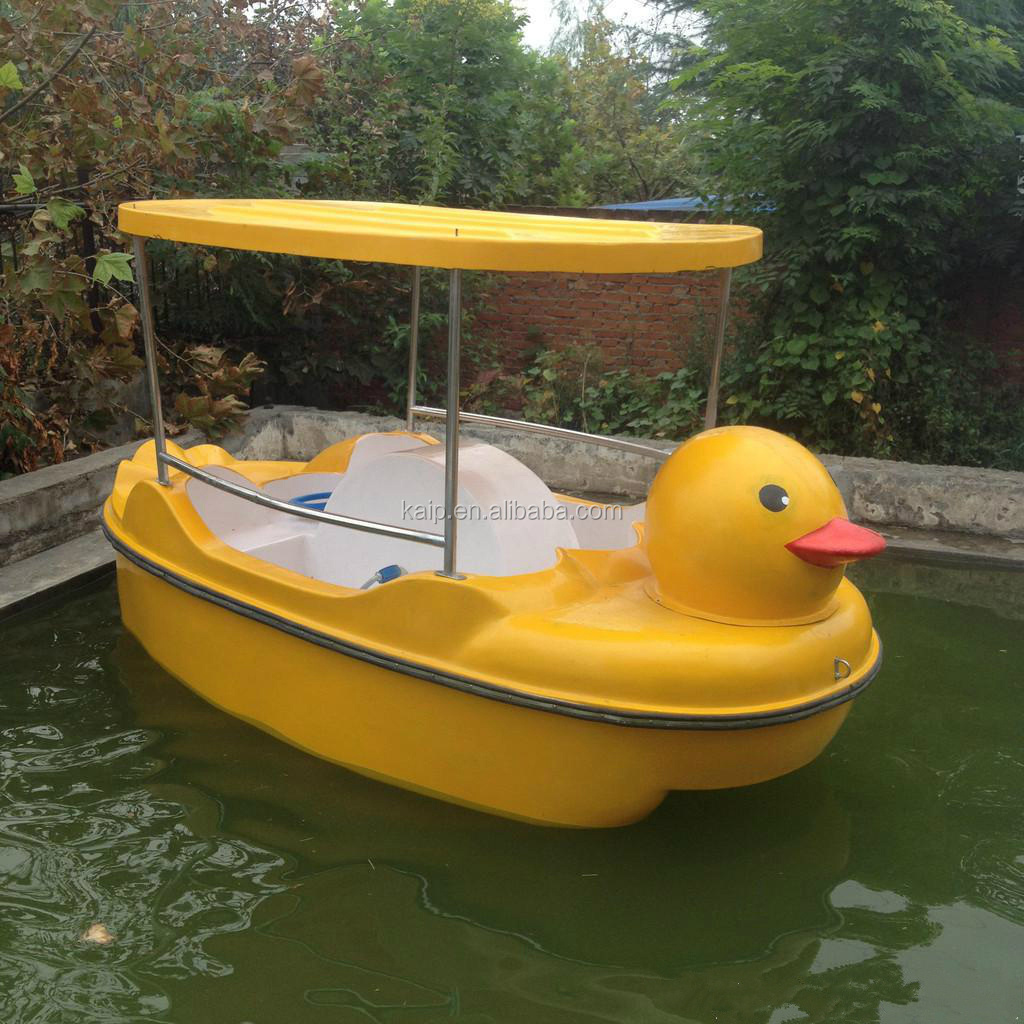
point(587, 712)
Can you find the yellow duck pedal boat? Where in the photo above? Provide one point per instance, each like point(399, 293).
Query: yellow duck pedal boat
point(577, 663)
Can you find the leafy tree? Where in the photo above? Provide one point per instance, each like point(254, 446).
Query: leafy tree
point(436, 101)
point(875, 135)
point(426, 101)
point(102, 102)
point(627, 145)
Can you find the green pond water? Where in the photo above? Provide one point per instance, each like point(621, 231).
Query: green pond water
point(244, 881)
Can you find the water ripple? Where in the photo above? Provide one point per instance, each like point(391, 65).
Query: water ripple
point(163, 863)
point(83, 842)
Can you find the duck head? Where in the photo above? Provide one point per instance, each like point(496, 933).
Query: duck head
point(746, 525)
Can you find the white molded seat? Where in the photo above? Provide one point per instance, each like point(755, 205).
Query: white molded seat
point(227, 516)
point(245, 525)
point(510, 523)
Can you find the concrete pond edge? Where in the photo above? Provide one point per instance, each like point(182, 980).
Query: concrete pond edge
point(970, 516)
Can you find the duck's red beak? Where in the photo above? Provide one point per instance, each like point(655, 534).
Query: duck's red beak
point(837, 543)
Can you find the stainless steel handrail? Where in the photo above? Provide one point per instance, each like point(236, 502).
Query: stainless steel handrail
point(149, 342)
point(711, 409)
point(259, 498)
point(617, 443)
point(451, 428)
point(414, 341)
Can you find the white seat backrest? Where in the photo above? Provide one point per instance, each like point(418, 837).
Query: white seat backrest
point(366, 448)
point(226, 515)
point(231, 517)
point(509, 521)
point(373, 446)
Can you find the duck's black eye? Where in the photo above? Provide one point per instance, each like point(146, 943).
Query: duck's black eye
point(773, 497)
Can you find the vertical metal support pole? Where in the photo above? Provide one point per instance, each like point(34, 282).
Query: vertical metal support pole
point(711, 410)
point(451, 427)
point(149, 341)
point(414, 341)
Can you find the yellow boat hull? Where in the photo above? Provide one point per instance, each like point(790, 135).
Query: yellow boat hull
point(540, 767)
point(566, 697)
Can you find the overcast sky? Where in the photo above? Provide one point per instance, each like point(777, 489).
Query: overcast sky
point(542, 24)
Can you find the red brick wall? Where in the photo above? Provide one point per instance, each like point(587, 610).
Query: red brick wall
point(652, 322)
point(647, 322)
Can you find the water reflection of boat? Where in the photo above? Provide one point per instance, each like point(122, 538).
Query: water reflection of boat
point(402, 909)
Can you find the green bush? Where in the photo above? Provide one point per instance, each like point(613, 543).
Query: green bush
point(104, 102)
point(569, 388)
point(908, 398)
point(958, 412)
point(874, 143)
point(949, 410)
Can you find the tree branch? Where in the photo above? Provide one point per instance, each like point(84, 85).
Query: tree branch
point(28, 97)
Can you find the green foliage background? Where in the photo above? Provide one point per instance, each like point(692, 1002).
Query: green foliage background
point(875, 143)
point(872, 141)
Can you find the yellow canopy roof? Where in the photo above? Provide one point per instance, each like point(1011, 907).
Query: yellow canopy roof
point(431, 236)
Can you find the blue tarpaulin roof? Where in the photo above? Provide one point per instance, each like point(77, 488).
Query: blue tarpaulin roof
point(684, 204)
point(680, 203)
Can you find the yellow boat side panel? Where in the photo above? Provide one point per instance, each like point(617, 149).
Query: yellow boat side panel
point(515, 761)
point(584, 631)
point(432, 236)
